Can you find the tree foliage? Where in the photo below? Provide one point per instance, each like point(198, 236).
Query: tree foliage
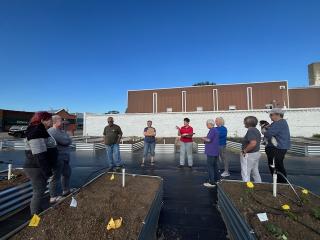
point(203, 83)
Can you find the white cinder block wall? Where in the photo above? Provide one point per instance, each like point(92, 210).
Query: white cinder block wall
point(302, 122)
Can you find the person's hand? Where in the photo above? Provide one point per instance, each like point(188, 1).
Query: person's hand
point(177, 128)
point(185, 134)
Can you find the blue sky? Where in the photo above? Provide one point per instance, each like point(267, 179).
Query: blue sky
point(85, 55)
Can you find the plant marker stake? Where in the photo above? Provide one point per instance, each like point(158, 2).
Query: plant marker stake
point(9, 171)
point(123, 177)
point(274, 177)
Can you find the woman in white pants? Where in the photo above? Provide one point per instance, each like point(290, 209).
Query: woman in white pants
point(250, 154)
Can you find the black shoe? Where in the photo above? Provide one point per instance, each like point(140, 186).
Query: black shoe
point(180, 166)
point(190, 167)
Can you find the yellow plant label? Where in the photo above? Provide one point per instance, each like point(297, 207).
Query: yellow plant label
point(35, 220)
point(112, 177)
point(114, 224)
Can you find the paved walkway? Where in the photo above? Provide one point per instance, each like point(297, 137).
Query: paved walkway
point(189, 209)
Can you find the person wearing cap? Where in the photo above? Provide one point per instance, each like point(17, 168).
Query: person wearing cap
point(149, 142)
point(278, 136)
point(185, 133)
point(62, 174)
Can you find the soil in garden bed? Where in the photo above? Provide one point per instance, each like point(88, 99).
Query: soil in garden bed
point(167, 140)
point(299, 222)
point(18, 178)
point(97, 203)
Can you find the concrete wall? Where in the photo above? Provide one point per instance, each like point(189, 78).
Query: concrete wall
point(302, 122)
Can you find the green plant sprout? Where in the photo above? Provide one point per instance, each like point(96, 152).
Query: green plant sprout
point(277, 232)
point(316, 212)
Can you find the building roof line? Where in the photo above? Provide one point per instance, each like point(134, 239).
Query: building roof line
point(227, 84)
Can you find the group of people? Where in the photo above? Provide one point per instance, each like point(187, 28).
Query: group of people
point(48, 156)
point(47, 159)
point(276, 138)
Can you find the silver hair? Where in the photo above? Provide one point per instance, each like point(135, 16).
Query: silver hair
point(211, 122)
point(221, 120)
point(55, 118)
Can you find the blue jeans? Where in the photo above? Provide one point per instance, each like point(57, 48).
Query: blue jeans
point(186, 147)
point(55, 179)
point(149, 147)
point(113, 154)
point(212, 165)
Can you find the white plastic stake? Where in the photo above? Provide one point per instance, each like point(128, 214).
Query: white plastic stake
point(123, 177)
point(73, 202)
point(9, 171)
point(274, 177)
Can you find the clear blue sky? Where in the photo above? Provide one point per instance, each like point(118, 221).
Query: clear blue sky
point(85, 55)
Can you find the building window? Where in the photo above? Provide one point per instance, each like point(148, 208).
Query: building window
point(184, 101)
point(215, 100)
point(249, 98)
point(155, 103)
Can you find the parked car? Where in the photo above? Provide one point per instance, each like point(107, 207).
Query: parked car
point(18, 131)
point(113, 112)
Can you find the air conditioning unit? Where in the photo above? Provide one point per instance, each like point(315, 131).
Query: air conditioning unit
point(269, 106)
point(199, 109)
point(169, 109)
point(232, 107)
point(282, 87)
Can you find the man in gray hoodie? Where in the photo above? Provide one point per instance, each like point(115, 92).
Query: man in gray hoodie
point(63, 143)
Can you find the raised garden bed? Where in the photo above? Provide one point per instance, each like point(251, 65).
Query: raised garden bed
point(14, 144)
point(15, 193)
point(83, 146)
point(131, 144)
point(138, 204)
point(239, 206)
point(166, 145)
point(298, 147)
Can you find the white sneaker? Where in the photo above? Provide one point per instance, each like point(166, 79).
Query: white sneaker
point(55, 199)
point(225, 174)
point(209, 185)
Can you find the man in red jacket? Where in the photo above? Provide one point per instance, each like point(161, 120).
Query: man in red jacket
point(185, 133)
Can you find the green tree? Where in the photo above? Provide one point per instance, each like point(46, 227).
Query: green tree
point(203, 83)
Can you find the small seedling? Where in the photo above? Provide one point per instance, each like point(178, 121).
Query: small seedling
point(316, 212)
point(277, 232)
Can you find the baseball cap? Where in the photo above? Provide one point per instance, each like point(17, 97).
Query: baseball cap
point(276, 111)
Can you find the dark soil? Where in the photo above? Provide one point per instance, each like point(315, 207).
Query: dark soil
point(97, 203)
point(261, 200)
point(18, 178)
point(167, 140)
